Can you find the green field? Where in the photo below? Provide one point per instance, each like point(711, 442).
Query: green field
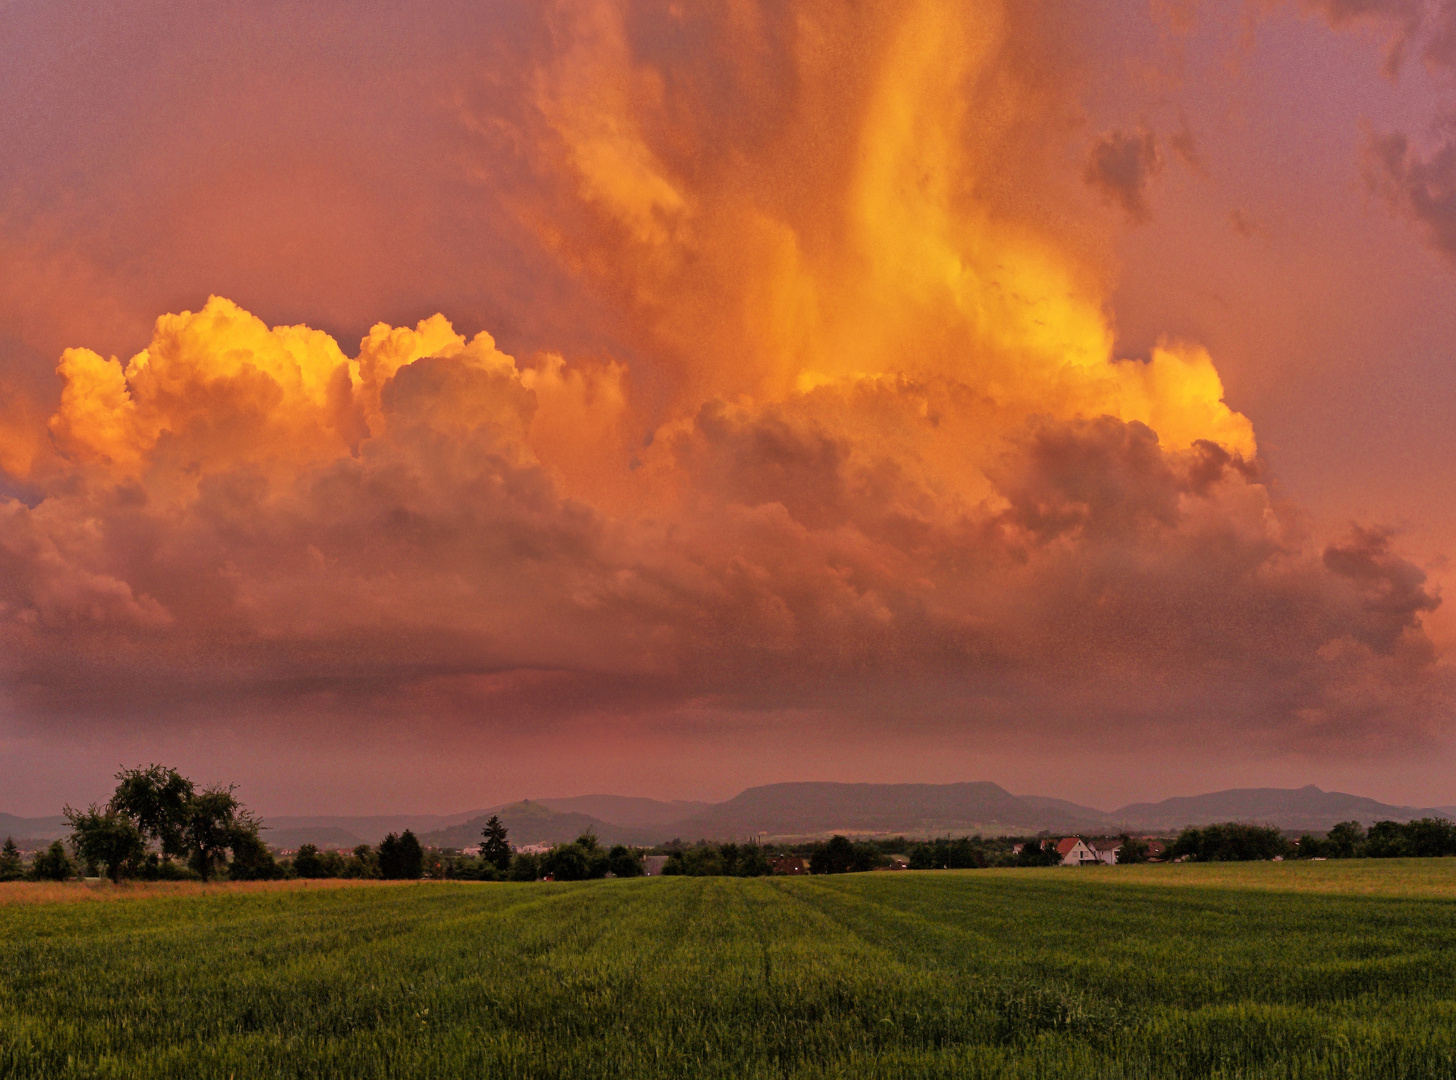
point(1261, 970)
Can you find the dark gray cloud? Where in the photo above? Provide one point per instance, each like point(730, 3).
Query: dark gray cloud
point(1420, 187)
point(1122, 165)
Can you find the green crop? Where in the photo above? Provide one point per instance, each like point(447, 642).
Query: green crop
point(1268, 970)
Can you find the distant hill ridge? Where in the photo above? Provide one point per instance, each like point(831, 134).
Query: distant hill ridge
point(814, 808)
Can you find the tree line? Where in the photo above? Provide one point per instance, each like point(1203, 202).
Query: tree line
point(159, 825)
point(401, 858)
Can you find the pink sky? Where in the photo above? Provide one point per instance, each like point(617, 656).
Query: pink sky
point(1027, 392)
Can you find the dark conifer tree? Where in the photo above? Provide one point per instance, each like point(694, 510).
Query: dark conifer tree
point(494, 848)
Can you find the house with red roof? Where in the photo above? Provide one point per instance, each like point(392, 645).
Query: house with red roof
point(1074, 852)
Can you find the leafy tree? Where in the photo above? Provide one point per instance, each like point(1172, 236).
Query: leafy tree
point(157, 800)
point(566, 862)
point(835, 857)
point(52, 864)
point(1430, 838)
point(11, 867)
point(1426, 838)
point(1345, 839)
point(525, 866)
point(1133, 850)
point(622, 862)
point(215, 819)
point(494, 847)
point(252, 861)
point(107, 839)
point(1039, 853)
point(1387, 840)
point(752, 862)
point(1312, 847)
point(363, 863)
point(308, 863)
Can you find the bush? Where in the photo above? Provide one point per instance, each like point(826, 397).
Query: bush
point(156, 868)
point(52, 864)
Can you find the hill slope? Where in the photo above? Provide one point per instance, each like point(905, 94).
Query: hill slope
point(807, 809)
point(533, 822)
point(1289, 808)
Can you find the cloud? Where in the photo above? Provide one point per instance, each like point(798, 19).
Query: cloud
point(832, 432)
point(1122, 165)
point(1419, 187)
point(820, 552)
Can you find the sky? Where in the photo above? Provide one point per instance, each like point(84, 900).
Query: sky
point(418, 406)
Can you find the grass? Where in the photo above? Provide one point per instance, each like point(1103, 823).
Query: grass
point(1283, 970)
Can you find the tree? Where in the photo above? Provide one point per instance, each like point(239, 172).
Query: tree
point(107, 839)
point(494, 848)
point(1133, 850)
point(252, 861)
point(363, 863)
point(525, 866)
point(1345, 839)
point(1387, 840)
point(388, 858)
point(52, 864)
point(1430, 838)
point(1038, 853)
point(157, 800)
point(566, 862)
point(307, 863)
point(1230, 841)
point(622, 862)
point(835, 857)
point(752, 862)
point(1312, 847)
point(214, 820)
point(11, 868)
point(401, 858)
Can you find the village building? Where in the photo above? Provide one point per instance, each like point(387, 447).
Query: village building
point(1074, 852)
point(790, 864)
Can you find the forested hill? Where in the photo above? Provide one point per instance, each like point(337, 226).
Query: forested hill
point(1289, 808)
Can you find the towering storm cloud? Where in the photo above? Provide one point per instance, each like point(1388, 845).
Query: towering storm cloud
point(836, 434)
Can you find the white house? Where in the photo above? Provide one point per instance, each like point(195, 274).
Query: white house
point(1106, 850)
point(1074, 852)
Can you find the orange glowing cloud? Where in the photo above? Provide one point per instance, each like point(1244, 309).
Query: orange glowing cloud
point(874, 456)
